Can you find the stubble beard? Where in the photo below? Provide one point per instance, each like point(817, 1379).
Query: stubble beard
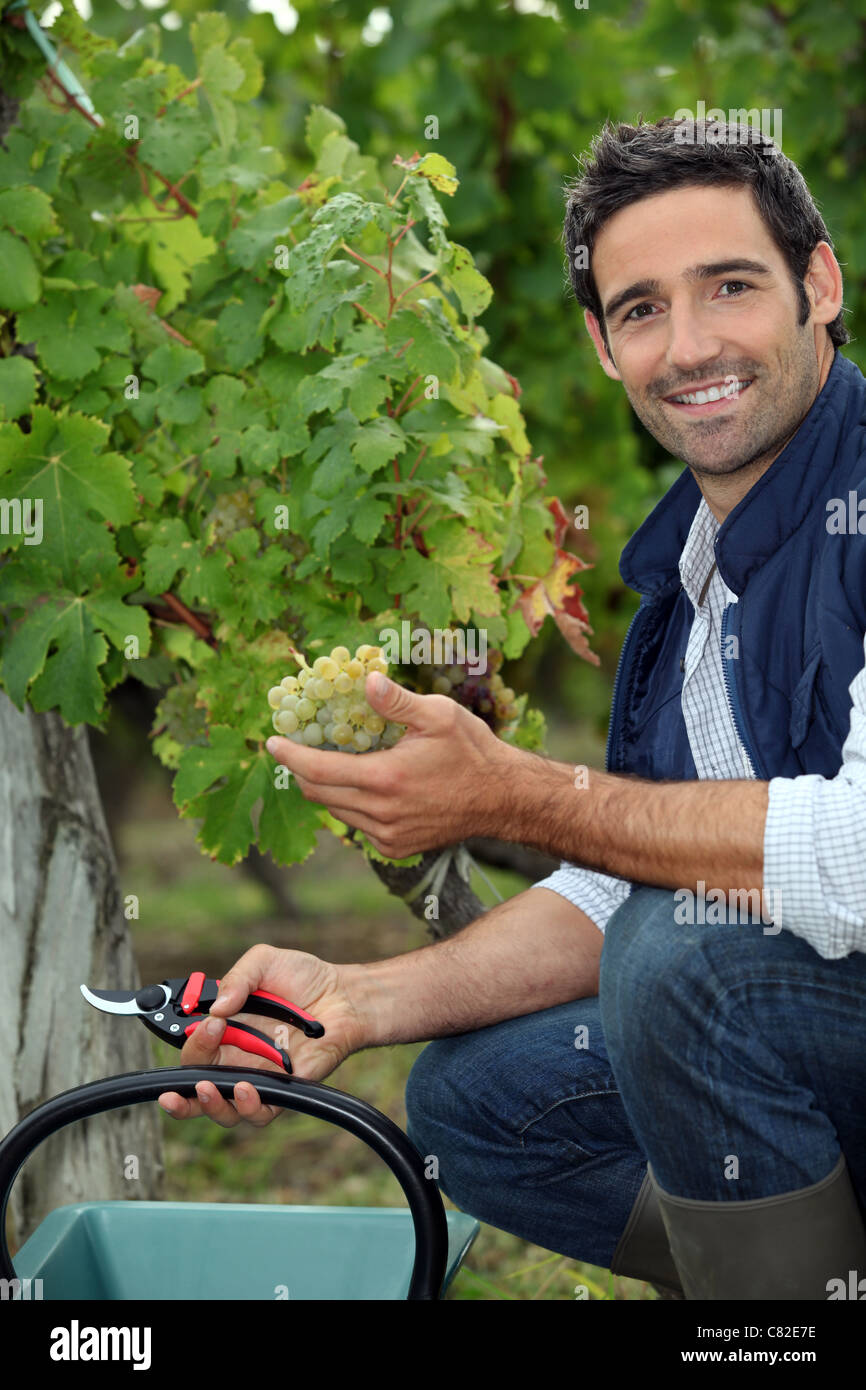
point(755, 430)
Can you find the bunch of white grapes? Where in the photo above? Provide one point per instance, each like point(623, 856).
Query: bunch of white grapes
point(231, 512)
point(325, 705)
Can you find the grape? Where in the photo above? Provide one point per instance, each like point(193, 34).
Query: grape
point(286, 721)
point(290, 684)
point(378, 663)
point(340, 655)
point(325, 668)
point(324, 688)
point(354, 668)
point(343, 733)
point(314, 735)
point(275, 695)
point(289, 702)
point(304, 676)
point(305, 709)
point(343, 683)
point(323, 715)
point(361, 740)
point(374, 723)
point(358, 713)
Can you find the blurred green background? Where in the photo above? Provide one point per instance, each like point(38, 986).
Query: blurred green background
point(518, 90)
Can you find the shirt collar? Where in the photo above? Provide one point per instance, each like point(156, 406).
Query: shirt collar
point(697, 556)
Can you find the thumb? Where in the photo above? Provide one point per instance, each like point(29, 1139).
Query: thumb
point(394, 702)
point(202, 1047)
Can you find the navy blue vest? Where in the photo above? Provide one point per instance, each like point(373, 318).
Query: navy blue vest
point(799, 622)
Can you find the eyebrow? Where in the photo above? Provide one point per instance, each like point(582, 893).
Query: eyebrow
point(648, 289)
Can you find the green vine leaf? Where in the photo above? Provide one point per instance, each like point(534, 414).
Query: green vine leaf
point(62, 464)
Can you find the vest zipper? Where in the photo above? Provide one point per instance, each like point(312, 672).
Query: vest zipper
point(733, 697)
point(614, 708)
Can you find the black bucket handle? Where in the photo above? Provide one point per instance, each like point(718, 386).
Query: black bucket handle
point(290, 1092)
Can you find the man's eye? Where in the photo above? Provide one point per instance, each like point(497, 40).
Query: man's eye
point(741, 283)
point(633, 311)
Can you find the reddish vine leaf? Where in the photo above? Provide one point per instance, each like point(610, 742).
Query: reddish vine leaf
point(557, 596)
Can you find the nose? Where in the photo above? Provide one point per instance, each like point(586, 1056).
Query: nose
point(692, 339)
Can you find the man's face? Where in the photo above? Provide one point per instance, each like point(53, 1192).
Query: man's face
point(709, 298)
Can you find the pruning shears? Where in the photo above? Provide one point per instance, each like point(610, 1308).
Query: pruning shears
point(174, 1009)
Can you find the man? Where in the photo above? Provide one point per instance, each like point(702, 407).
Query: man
point(699, 1087)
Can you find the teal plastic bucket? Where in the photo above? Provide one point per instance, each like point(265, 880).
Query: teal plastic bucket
point(201, 1250)
point(231, 1250)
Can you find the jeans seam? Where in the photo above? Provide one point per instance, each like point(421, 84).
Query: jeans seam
point(566, 1100)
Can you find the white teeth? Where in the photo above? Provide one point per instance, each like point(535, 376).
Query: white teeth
point(712, 393)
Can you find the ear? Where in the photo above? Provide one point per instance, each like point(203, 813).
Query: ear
point(823, 283)
point(593, 328)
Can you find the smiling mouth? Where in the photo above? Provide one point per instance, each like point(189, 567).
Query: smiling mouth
point(709, 399)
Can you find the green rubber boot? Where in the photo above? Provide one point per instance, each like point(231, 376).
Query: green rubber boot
point(643, 1251)
point(803, 1245)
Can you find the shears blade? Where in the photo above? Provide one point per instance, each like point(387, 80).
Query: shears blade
point(117, 1001)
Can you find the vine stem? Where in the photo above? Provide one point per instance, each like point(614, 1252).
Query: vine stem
point(411, 405)
point(362, 259)
point(72, 101)
point(416, 519)
point(403, 230)
point(174, 192)
point(407, 392)
point(177, 97)
point(201, 628)
point(378, 322)
point(398, 539)
point(410, 288)
point(396, 194)
point(166, 217)
point(417, 461)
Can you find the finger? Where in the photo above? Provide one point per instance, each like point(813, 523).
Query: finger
point(352, 800)
point(357, 819)
point(326, 767)
point(398, 704)
point(251, 1107)
point(202, 1047)
point(246, 975)
point(179, 1107)
point(218, 1109)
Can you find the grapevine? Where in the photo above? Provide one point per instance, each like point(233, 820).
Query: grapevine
point(250, 397)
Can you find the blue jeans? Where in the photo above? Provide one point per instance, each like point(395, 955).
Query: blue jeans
point(707, 1044)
